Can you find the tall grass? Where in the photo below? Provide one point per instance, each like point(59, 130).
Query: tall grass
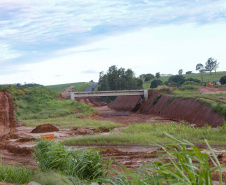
point(83, 164)
point(182, 163)
point(13, 174)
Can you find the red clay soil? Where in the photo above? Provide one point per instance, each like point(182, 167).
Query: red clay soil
point(7, 122)
point(45, 128)
point(125, 103)
point(189, 110)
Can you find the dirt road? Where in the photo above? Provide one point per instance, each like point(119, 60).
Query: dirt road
point(211, 90)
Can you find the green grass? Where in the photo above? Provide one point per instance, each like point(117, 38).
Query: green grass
point(185, 164)
point(13, 174)
point(79, 86)
point(51, 177)
point(42, 103)
point(84, 164)
point(152, 133)
point(72, 121)
point(206, 78)
point(62, 86)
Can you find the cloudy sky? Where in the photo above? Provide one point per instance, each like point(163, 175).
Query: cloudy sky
point(66, 41)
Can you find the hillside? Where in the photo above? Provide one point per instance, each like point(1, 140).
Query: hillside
point(79, 86)
point(206, 78)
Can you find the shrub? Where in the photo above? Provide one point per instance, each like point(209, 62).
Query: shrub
point(191, 83)
point(188, 88)
point(155, 83)
point(223, 80)
point(84, 164)
point(194, 80)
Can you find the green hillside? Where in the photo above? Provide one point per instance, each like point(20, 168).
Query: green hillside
point(206, 78)
point(79, 86)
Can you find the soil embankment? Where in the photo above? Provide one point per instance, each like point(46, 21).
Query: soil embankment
point(7, 122)
point(189, 110)
point(126, 103)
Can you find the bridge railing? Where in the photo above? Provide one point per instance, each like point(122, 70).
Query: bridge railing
point(143, 93)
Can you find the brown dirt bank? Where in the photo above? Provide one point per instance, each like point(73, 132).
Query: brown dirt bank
point(189, 110)
point(125, 103)
point(7, 122)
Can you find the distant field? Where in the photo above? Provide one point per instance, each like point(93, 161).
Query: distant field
point(79, 86)
point(206, 78)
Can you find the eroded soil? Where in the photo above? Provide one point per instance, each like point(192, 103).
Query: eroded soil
point(16, 148)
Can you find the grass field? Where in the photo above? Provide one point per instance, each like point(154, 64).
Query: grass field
point(206, 78)
point(72, 121)
point(152, 134)
point(79, 86)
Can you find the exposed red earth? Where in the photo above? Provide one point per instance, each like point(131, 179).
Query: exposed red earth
point(16, 143)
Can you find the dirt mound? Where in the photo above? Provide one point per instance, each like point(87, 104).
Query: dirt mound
point(45, 128)
point(7, 121)
point(126, 103)
point(189, 110)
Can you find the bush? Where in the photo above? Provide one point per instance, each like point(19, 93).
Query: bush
point(223, 80)
point(84, 164)
point(155, 83)
point(194, 80)
point(178, 79)
point(191, 83)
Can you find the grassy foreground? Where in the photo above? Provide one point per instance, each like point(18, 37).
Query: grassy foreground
point(61, 165)
point(152, 133)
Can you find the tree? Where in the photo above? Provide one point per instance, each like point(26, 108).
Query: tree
point(210, 65)
point(155, 83)
point(216, 66)
point(201, 69)
point(180, 71)
point(223, 80)
point(118, 79)
point(157, 75)
point(149, 77)
point(178, 79)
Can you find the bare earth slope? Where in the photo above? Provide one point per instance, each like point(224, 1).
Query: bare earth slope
point(6, 114)
point(188, 110)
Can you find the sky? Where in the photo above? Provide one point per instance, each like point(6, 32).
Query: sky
point(65, 41)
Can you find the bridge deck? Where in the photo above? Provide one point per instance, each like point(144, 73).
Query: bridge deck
point(110, 93)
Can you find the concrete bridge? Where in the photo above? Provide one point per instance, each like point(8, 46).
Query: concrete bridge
point(143, 93)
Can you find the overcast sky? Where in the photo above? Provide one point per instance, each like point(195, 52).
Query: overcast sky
point(66, 41)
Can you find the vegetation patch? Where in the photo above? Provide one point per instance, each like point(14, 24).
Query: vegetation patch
point(157, 99)
point(13, 174)
point(72, 121)
point(152, 133)
point(171, 99)
point(84, 164)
